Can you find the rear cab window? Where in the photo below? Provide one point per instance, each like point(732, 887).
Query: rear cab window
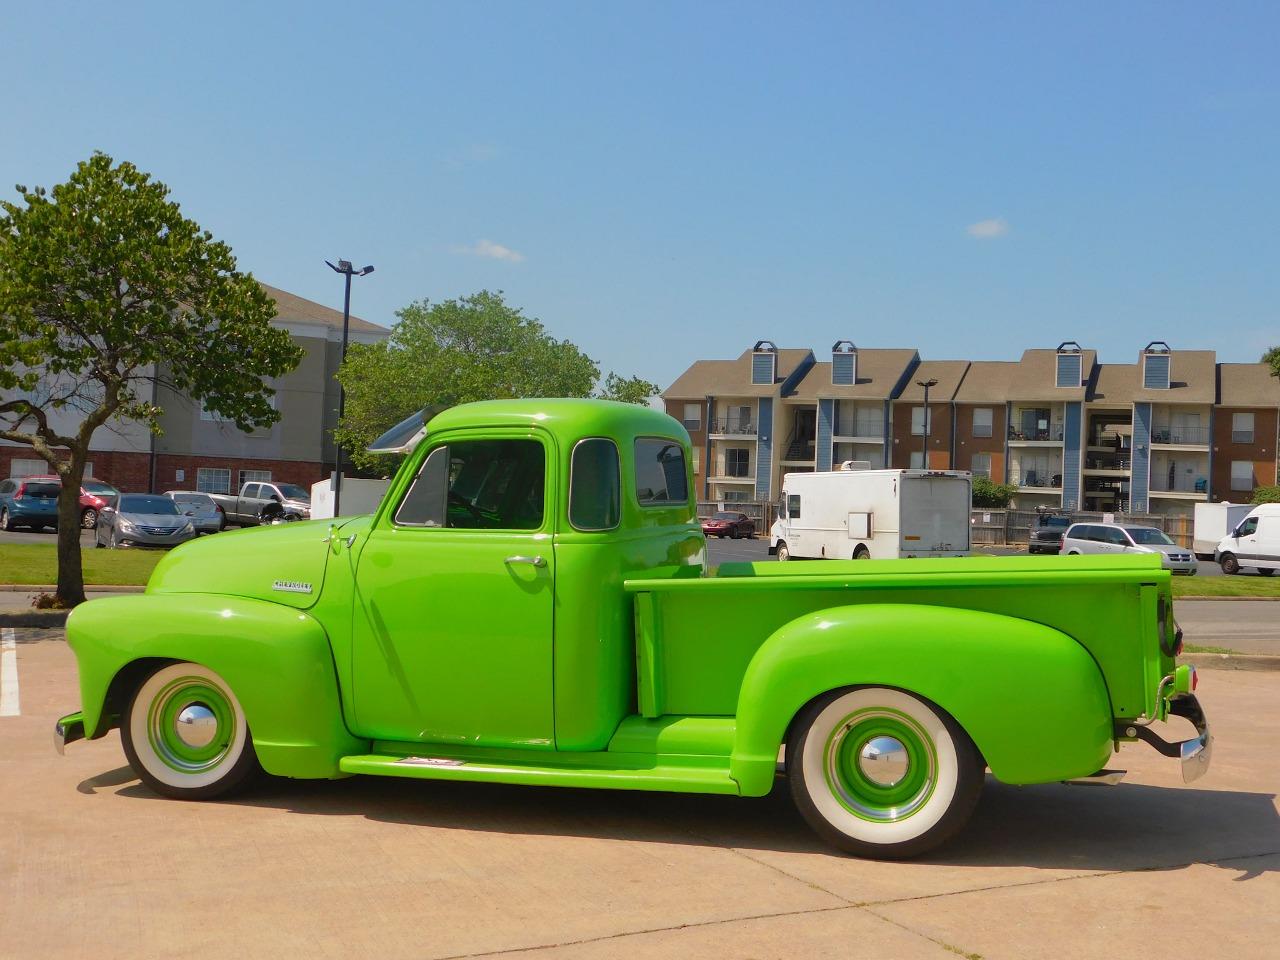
point(661, 479)
point(595, 485)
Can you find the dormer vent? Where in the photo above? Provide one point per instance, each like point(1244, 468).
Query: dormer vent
point(1070, 369)
point(844, 363)
point(1156, 360)
point(764, 362)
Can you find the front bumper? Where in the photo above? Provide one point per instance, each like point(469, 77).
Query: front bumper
point(1195, 754)
point(69, 729)
point(140, 538)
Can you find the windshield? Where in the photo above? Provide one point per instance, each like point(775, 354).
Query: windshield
point(292, 491)
point(1147, 535)
point(90, 486)
point(155, 506)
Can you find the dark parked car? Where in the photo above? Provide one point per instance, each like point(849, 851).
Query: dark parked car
point(727, 524)
point(1047, 532)
point(29, 502)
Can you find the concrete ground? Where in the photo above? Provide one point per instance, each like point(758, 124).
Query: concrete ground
point(93, 864)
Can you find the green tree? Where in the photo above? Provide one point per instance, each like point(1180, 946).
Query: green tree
point(992, 495)
point(106, 289)
point(473, 348)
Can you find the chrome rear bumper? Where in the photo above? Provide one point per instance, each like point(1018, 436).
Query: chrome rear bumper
point(1195, 754)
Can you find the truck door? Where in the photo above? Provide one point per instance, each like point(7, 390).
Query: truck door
point(454, 593)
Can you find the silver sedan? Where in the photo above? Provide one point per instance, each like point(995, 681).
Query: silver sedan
point(142, 520)
point(206, 516)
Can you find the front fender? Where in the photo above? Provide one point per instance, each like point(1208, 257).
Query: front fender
point(1032, 699)
point(275, 658)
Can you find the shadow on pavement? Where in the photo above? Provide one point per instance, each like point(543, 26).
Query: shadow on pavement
point(1054, 826)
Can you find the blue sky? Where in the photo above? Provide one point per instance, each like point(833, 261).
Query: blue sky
point(663, 182)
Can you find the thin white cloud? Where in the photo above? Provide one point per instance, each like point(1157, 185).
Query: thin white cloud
point(988, 229)
point(491, 251)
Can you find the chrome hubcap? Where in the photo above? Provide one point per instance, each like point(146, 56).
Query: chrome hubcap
point(884, 761)
point(196, 725)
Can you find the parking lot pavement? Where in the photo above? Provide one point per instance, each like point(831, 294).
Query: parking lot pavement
point(94, 864)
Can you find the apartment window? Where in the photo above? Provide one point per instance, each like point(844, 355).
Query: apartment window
point(213, 480)
point(917, 460)
point(919, 420)
point(735, 496)
point(254, 476)
point(692, 419)
point(982, 422)
point(1241, 428)
point(737, 461)
point(1241, 474)
point(980, 465)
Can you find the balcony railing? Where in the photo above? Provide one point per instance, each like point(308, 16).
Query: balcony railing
point(1108, 462)
point(1180, 485)
point(1194, 436)
point(1051, 433)
point(1032, 478)
point(861, 428)
point(734, 426)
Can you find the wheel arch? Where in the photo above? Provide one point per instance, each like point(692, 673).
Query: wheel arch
point(1031, 698)
point(276, 659)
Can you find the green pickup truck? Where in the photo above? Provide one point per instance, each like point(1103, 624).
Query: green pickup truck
point(531, 604)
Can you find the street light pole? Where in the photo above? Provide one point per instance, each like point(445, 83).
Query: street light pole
point(924, 454)
point(344, 267)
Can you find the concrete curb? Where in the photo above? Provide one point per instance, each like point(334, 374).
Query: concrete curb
point(1231, 661)
point(50, 588)
point(1263, 599)
point(35, 618)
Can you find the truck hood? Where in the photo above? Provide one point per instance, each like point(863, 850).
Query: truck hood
point(282, 563)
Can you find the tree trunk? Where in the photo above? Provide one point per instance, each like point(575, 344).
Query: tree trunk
point(70, 570)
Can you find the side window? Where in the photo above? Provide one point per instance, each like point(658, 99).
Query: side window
point(793, 506)
point(1117, 537)
point(595, 487)
point(251, 491)
point(660, 473)
point(478, 485)
point(1248, 528)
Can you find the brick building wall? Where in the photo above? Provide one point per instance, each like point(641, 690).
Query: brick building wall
point(128, 472)
point(905, 442)
point(967, 444)
point(1261, 453)
point(303, 473)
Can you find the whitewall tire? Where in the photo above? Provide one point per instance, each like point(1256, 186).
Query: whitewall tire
point(882, 773)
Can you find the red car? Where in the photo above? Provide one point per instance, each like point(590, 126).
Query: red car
point(726, 524)
point(94, 495)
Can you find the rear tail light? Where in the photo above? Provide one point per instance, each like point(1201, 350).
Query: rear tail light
point(218, 507)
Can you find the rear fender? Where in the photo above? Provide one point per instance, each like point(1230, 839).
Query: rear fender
point(1032, 699)
point(276, 660)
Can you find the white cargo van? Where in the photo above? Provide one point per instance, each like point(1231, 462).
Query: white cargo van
point(873, 514)
point(1255, 542)
point(1213, 521)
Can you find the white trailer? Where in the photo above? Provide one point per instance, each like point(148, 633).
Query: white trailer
point(1213, 521)
point(873, 514)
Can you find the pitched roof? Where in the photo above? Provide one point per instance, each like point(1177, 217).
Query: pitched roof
point(292, 308)
point(732, 378)
point(986, 381)
point(1114, 383)
point(1036, 375)
point(948, 373)
point(1192, 378)
point(878, 374)
point(1247, 385)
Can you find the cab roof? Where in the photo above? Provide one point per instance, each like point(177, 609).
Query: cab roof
point(564, 417)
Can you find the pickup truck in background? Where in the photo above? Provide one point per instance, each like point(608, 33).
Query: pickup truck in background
point(265, 502)
point(530, 604)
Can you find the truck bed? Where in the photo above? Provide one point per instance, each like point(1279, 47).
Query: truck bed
point(696, 635)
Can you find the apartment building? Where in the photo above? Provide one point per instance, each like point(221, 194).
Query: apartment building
point(197, 450)
point(1156, 435)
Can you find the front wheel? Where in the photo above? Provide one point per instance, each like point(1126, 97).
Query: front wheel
point(881, 773)
point(783, 552)
point(185, 734)
point(88, 519)
point(1230, 565)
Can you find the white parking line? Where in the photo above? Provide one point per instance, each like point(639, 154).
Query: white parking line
point(8, 673)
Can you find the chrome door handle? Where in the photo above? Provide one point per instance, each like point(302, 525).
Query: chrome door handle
point(535, 561)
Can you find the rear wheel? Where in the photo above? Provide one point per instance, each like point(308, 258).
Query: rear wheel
point(783, 552)
point(1230, 565)
point(881, 773)
point(6, 522)
point(862, 553)
point(185, 734)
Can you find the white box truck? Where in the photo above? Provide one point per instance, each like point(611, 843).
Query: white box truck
point(1212, 522)
point(873, 514)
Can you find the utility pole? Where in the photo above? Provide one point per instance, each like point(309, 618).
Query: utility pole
point(344, 267)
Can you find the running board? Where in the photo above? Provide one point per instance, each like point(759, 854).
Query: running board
point(597, 770)
point(1103, 778)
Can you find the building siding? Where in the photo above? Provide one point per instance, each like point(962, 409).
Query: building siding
point(826, 419)
point(1072, 434)
point(764, 449)
point(1140, 476)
